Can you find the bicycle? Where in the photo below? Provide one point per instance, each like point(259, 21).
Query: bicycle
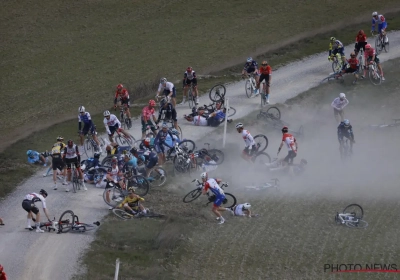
point(228, 202)
point(272, 113)
point(335, 76)
point(69, 222)
point(180, 135)
point(250, 85)
point(336, 63)
point(113, 193)
point(125, 121)
point(90, 146)
point(263, 95)
point(352, 217)
point(346, 150)
point(380, 42)
point(76, 181)
point(395, 124)
point(373, 73)
point(191, 99)
point(157, 176)
point(361, 60)
point(124, 140)
point(266, 186)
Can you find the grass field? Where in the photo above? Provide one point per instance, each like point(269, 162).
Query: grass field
point(295, 236)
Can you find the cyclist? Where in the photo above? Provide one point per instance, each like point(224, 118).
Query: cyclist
point(112, 124)
point(251, 66)
point(168, 89)
point(250, 147)
point(131, 203)
point(159, 142)
point(214, 119)
point(114, 174)
point(167, 112)
point(336, 47)
point(28, 204)
point(361, 41)
point(123, 95)
point(149, 118)
point(88, 125)
point(370, 56)
point(352, 66)
point(149, 158)
point(212, 185)
point(291, 144)
point(382, 25)
point(345, 130)
point(338, 105)
point(35, 157)
point(189, 77)
point(57, 161)
point(72, 156)
point(265, 72)
point(241, 210)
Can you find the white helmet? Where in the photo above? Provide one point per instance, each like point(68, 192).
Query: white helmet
point(204, 175)
point(81, 109)
point(106, 113)
point(246, 206)
point(163, 80)
point(374, 14)
point(249, 59)
point(239, 125)
point(342, 95)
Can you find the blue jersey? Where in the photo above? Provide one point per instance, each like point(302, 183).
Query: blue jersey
point(161, 137)
point(33, 157)
point(86, 119)
point(251, 66)
point(132, 163)
point(220, 115)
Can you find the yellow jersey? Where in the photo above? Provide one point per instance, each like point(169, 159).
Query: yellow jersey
point(131, 201)
point(57, 148)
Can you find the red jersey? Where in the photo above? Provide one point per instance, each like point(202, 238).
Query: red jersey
point(266, 70)
point(3, 276)
point(370, 53)
point(353, 62)
point(289, 141)
point(361, 38)
point(123, 94)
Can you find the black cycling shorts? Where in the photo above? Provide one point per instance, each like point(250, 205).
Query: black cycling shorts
point(360, 45)
point(289, 158)
point(70, 161)
point(192, 81)
point(29, 206)
point(264, 77)
point(57, 162)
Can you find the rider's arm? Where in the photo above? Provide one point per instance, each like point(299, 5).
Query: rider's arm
point(334, 105)
point(280, 147)
point(159, 89)
point(373, 25)
point(77, 153)
point(79, 123)
point(46, 213)
point(205, 188)
point(106, 125)
point(218, 180)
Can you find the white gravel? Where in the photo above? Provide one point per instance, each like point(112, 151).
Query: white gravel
point(30, 255)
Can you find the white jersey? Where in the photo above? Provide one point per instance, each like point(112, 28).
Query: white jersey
point(111, 122)
point(71, 152)
point(114, 173)
point(189, 76)
point(168, 86)
point(339, 104)
point(35, 197)
point(199, 120)
point(213, 186)
point(290, 141)
point(239, 210)
point(248, 139)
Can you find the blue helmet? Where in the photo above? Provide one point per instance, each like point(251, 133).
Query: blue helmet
point(249, 59)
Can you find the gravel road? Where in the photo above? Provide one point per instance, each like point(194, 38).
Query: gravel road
point(30, 255)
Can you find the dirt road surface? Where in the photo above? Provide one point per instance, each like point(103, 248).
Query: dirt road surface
point(30, 255)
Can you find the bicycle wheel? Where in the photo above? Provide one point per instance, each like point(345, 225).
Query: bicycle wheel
point(140, 184)
point(181, 164)
point(357, 224)
point(229, 201)
point(113, 196)
point(192, 195)
point(274, 113)
point(74, 180)
point(374, 76)
point(354, 209)
point(66, 221)
point(122, 214)
point(248, 88)
point(261, 142)
point(231, 112)
point(87, 147)
point(216, 155)
point(190, 98)
point(157, 177)
point(106, 162)
point(336, 66)
point(217, 93)
point(180, 132)
point(378, 47)
point(386, 47)
point(262, 158)
point(128, 124)
point(187, 145)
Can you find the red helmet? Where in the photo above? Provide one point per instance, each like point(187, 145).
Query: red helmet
point(361, 32)
point(285, 129)
point(152, 103)
point(120, 86)
point(189, 69)
point(146, 142)
point(70, 143)
point(368, 46)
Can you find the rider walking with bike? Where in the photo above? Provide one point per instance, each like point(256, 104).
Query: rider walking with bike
point(189, 78)
point(345, 130)
point(250, 148)
point(28, 204)
point(88, 125)
point(123, 95)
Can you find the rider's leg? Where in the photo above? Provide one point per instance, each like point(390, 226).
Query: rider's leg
point(176, 126)
point(380, 69)
point(81, 135)
point(185, 90)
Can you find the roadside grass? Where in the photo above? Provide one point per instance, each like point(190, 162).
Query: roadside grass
point(58, 54)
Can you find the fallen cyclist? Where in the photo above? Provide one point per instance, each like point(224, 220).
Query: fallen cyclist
point(201, 119)
point(281, 165)
point(242, 210)
point(131, 204)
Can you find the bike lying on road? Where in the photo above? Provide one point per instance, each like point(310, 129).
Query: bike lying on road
point(352, 216)
point(124, 215)
point(274, 184)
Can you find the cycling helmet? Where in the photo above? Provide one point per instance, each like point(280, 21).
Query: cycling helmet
point(128, 155)
point(249, 59)
point(361, 32)
point(346, 122)
point(352, 54)
point(175, 132)
point(303, 161)
point(97, 155)
point(106, 113)
point(368, 46)
point(152, 103)
point(120, 86)
point(239, 125)
point(246, 206)
point(114, 159)
point(70, 143)
point(29, 152)
point(60, 138)
point(164, 125)
point(285, 129)
point(342, 95)
point(81, 109)
point(146, 142)
point(189, 69)
point(43, 192)
point(264, 63)
point(333, 39)
point(374, 14)
point(163, 80)
point(204, 175)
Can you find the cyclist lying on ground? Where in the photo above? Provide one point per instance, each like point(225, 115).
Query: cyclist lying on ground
point(115, 149)
point(114, 174)
point(98, 180)
point(131, 203)
point(149, 158)
point(35, 157)
point(214, 119)
point(241, 210)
